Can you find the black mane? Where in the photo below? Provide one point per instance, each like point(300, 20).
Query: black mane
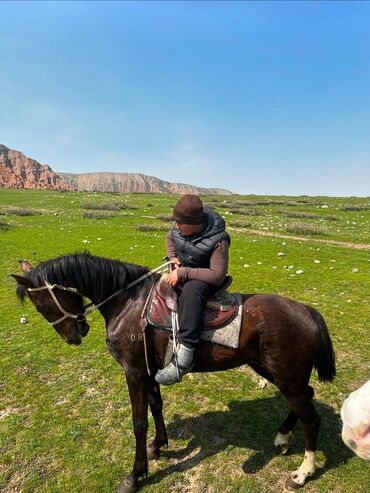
point(97, 276)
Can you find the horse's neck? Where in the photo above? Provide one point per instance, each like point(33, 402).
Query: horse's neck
point(113, 303)
point(125, 306)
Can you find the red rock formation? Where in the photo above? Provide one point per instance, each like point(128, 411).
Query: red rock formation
point(19, 171)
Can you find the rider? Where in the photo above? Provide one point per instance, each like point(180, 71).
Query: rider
point(198, 247)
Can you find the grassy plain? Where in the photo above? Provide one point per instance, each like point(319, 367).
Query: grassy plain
point(65, 420)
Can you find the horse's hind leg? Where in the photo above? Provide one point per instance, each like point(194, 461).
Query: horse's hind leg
point(156, 406)
point(284, 434)
point(303, 407)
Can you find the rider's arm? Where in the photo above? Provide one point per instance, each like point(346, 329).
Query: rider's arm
point(217, 269)
point(170, 247)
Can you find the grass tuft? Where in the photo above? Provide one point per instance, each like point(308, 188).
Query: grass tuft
point(356, 207)
point(166, 219)
point(250, 212)
point(307, 229)
point(240, 224)
point(151, 227)
point(231, 205)
point(20, 211)
point(97, 215)
point(299, 214)
point(114, 206)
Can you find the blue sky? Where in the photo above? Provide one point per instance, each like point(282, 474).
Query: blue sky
point(255, 97)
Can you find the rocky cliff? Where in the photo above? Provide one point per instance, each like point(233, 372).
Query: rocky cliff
point(133, 182)
point(19, 171)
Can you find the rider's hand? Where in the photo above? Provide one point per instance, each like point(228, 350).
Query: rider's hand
point(175, 262)
point(172, 277)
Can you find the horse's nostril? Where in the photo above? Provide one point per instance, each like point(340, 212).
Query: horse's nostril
point(83, 328)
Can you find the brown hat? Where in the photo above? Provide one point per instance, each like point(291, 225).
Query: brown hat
point(188, 210)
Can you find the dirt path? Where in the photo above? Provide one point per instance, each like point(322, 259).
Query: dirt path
point(343, 244)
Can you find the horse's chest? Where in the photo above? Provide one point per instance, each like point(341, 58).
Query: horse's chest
point(125, 342)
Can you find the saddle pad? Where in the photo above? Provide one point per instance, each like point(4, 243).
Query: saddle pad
point(228, 335)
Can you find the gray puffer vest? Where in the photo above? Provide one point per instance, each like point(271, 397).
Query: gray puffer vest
point(195, 251)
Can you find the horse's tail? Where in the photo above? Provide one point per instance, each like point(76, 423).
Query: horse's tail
point(325, 356)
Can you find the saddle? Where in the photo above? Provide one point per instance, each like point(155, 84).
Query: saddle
point(221, 307)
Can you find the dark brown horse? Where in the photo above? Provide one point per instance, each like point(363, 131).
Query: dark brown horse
point(281, 339)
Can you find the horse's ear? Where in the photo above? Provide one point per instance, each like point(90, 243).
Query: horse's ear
point(23, 280)
point(25, 266)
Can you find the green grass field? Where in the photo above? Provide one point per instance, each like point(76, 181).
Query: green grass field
point(60, 405)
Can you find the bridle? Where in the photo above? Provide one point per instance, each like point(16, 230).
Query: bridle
point(89, 308)
point(80, 317)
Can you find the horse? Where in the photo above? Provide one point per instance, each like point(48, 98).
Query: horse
point(355, 414)
point(281, 339)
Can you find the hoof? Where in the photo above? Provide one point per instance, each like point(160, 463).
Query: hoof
point(127, 486)
point(291, 485)
point(281, 449)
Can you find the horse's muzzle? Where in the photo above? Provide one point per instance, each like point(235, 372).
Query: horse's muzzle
point(82, 327)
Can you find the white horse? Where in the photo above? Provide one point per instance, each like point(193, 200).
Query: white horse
point(355, 415)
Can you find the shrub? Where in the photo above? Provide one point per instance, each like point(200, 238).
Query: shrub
point(304, 228)
point(210, 205)
point(151, 227)
point(267, 202)
point(249, 212)
point(18, 211)
point(309, 201)
point(331, 218)
point(162, 217)
point(97, 215)
point(114, 206)
point(213, 199)
point(4, 226)
point(240, 224)
point(355, 207)
point(231, 205)
point(300, 214)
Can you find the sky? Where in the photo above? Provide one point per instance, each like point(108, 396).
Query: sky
point(254, 97)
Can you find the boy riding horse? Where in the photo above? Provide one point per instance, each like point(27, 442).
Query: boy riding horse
point(198, 247)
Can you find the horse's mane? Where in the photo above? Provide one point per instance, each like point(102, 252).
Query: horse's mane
point(98, 276)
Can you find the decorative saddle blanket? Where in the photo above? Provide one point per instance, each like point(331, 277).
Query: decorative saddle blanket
point(222, 318)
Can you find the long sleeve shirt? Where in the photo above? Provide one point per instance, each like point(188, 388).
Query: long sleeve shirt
point(217, 270)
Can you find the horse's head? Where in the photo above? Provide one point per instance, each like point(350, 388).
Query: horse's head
point(61, 306)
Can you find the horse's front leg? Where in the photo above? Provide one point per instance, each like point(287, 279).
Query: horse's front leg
point(156, 406)
point(138, 383)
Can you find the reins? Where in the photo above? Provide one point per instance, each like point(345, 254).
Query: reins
point(81, 316)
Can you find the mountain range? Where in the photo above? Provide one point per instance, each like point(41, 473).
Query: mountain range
point(20, 171)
